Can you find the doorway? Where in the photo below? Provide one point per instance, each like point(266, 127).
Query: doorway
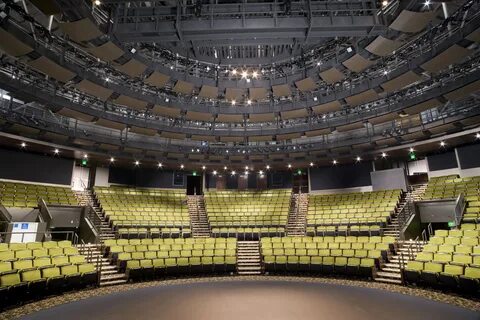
point(194, 185)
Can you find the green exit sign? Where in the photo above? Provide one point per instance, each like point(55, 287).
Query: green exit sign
point(452, 224)
point(194, 173)
point(413, 156)
point(84, 162)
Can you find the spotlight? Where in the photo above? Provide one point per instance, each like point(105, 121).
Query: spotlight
point(97, 3)
point(233, 102)
point(255, 74)
point(160, 165)
point(358, 159)
point(311, 164)
point(56, 151)
point(318, 63)
point(234, 71)
point(349, 49)
point(166, 99)
point(315, 98)
point(244, 74)
point(249, 102)
point(385, 3)
point(214, 172)
point(203, 167)
point(112, 159)
point(248, 80)
point(427, 3)
point(384, 155)
point(267, 167)
point(385, 72)
point(137, 163)
point(233, 172)
point(107, 79)
point(442, 144)
point(225, 168)
point(334, 162)
point(246, 167)
point(208, 68)
point(23, 144)
point(289, 165)
point(85, 156)
point(182, 166)
point(477, 136)
point(260, 172)
point(246, 173)
point(411, 150)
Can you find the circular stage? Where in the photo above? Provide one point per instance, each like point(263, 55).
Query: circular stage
point(253, 300)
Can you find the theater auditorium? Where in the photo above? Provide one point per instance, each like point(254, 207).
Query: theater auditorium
point(253, 159)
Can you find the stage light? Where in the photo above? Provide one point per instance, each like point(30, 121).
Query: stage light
point(267, 167)
point(182, 166)
point(167, 99)
point(260, 172)
point(225, 168)
point(234, 71)
point(203, 167)
point(233, 102)
point(255, 74)
point(477, 136)
point(289, 166)
point(133, 50)
point(23, 144)
point(384, 155)
point(334, 162)
point(112, 159)
point(97, 3)
point(411, 150)
point(56, 151)
point(359, 159)
point(249, 102)
point(311, 164)
point(427, 3)
point(160, 165)
point(315, 98)
point(246, 173)
point(385, 72)
point(349, 49)
point(85, 156)
point(244, 74)
point(214, 172)
point(233, 173)
point(246, 167)
point(208, 68)
point(442, 144)
point(137, 163)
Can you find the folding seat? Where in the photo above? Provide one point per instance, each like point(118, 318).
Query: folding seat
point(7, 255)
point(367, 266)
point(451, 240)
point(72, 276)
point(17, 246)
point(50, 244)
point(449, 276)
point(430, 248)
point(134, 270)
point(54, 279)
point(316, 264)
point(292, 263)
point(70, 251)
point(147, 269)
point(353, 266)
point(36, 284)
point(280, 263)
point(442, 257)
point(424, 256)
point(327, 265)
point(412, 272)
point(430, 273)
point(469, 282)
point(340, 265)
point(23, 265)
point(446, 248)
point(53, 252)
point(12, 289)
point(5, 267)
point(207, 264)
point(89, 274)
point(59, 261)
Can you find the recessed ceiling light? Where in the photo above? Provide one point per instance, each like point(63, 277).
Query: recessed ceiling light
point(260, 172)
point(411, 149)
point(233, 102)
point(334, 161)
point(268, 167)
point(214, 172)
point(384, 155)
point(442, 144)
point(97, 3)
point(289, 165)
point(233, 172)
point(23, 144)
point(385, 3)
point(203, 167)
point(182, 166)
point(56, 151)
point(358, 159)
point(255, 74)
point(160, 165)
point(112, 159)
point(85, 156)
point(249, 102)
point(225, 168)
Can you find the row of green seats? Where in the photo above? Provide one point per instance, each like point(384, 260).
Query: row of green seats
point(167, 232)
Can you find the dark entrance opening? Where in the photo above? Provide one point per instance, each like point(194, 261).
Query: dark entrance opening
point(194, 185)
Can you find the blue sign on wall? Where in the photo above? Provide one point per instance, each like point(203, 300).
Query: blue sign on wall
point(24, 226)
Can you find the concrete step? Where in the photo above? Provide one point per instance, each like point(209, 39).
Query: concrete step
point(112, 282)
point(107, 272)
point(249, 273)
point(390, 269)
point(392, 275)
point(388, 280)
point(115, 276)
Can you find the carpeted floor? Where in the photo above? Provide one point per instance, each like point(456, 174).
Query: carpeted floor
point(256, 299)
point(106, 292)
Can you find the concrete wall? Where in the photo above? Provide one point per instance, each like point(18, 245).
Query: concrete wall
point(101, 177)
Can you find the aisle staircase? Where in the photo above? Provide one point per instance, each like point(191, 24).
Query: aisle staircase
point(86, 198)
point(417, 191)
point(249, 258)
point(393, 227)
point(198, 216)
point(390, 271)
point(109, 274)
point(297, 217)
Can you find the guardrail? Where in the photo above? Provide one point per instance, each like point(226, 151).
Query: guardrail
point(69, 235)
point(460, 205)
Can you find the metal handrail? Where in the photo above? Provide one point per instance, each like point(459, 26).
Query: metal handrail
point(70, 235)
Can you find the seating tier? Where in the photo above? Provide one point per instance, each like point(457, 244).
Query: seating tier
point(23, 195)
